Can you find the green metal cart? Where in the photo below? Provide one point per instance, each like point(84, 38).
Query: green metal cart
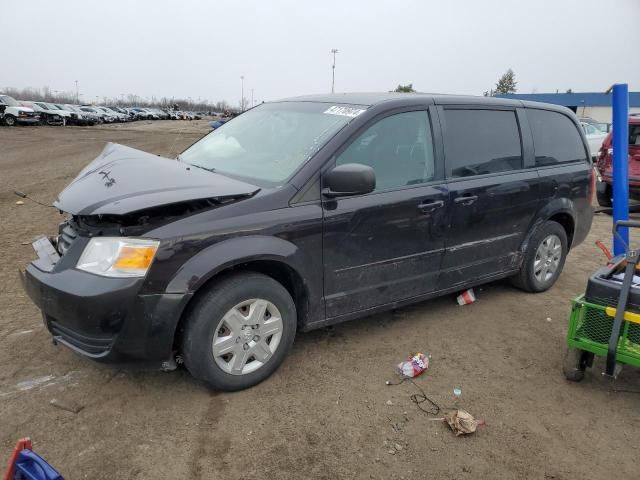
point(604, 330)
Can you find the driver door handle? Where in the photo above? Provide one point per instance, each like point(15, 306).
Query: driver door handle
point(466, 200)
point(429, 206)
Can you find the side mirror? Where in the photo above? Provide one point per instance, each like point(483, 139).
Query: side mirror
point(349, 179)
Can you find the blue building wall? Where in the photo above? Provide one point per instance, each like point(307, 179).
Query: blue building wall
point(587, 99)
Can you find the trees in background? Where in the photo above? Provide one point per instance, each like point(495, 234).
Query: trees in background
point(506, 84)
point(405, 88)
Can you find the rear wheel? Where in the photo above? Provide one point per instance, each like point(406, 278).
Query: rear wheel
point(239, 331)
point(543, 259)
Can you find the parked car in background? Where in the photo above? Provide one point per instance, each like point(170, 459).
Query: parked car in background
point(104, 117)
point(125, 117)
point(84, 117)
point(143, 113)
point(47, 117)
point(595, 137)
point(217, 123)
point(70, 116)
point(117, 116)
point(304, 213)
point(12, 113)
point(605, 165)
point(602, 126)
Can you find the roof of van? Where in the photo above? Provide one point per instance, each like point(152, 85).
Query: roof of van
point(370, 99)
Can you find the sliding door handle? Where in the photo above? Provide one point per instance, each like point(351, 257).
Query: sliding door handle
point(430, 205)
point(466, 200)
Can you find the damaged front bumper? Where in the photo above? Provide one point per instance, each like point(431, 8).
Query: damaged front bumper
point(106, 319)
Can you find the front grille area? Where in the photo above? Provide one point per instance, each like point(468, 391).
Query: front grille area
point(67, 235)
point(92, 346)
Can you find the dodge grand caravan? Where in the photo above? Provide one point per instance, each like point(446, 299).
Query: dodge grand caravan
point(302, 213)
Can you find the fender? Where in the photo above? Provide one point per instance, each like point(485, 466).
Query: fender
point(555, 206)
point(220, 256)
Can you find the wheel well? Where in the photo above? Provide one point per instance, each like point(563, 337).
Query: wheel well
point(280, 272)
point(566, 221)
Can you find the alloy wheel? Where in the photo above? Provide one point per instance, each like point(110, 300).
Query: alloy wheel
point(547, 259)
point(247, 336)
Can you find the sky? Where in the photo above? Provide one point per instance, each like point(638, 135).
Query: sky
point(200, 49)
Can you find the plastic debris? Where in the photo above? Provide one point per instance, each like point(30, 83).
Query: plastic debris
point(466, 297)
point(457, 391)
point(19, 202)
point(69, 406)
point(461, 422)
point(414, 365)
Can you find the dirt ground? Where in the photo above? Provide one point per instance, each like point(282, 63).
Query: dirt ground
point(327, 412)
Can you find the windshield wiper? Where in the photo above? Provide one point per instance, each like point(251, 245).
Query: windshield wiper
point(179, 158)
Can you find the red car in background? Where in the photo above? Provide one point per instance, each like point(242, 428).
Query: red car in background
point(605, 165)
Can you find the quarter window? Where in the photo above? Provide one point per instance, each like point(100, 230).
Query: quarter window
point(399, 148)
point(555, 138)
point(479, 142)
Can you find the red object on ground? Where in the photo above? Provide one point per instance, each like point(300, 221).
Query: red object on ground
point(604, 249)
point(20, 445)
point(466, 297)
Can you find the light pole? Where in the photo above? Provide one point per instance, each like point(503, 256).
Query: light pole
point(251, 98)
point(77, 95)
point(333, 69)
point(242, 97)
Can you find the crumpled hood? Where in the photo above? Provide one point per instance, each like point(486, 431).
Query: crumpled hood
point(123, 180)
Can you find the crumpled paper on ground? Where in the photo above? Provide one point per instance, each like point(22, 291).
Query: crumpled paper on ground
point(461, 422)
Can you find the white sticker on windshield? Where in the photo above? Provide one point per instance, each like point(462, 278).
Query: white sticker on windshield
point(344, 111)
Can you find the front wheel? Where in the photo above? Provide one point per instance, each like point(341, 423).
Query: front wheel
point(543, 259)
point(239, 331)
point(10, 120)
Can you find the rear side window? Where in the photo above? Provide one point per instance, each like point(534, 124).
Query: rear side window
point(555, 138)
point(479, 142)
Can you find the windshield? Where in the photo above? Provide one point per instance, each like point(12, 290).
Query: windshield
point(88, 109)
point(42, 105)
point(270, 142)
point(10, 101)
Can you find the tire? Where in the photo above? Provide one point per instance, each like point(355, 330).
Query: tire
point(215, 318)
point(604, 194)
point(574, 364)
point(9, 120)
point(533, 276)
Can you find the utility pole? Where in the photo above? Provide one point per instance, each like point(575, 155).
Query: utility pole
point(242, 97)
point(333, 69)
point(77, 95)
point(251, 98)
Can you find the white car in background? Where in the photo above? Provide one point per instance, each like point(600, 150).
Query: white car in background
point(595, 137)
point(12, 112)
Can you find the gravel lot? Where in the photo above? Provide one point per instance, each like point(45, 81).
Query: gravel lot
point(327, 412)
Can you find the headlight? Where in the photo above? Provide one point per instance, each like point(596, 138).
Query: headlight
point(118, 257)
